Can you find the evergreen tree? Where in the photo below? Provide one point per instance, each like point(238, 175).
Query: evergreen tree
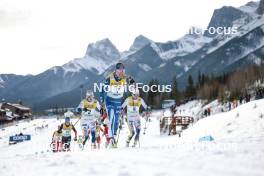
point(175, 93)
point(190, 89)
point(199, 84)
point(154, 97)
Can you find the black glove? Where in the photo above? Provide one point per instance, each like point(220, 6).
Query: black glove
point(102, 120)
point(85, 109)
point(131, 80)
point(79, 110)
point(101, 111)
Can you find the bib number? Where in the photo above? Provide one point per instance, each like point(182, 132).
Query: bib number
point(66, 133)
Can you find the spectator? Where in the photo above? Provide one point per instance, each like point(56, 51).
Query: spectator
point(222, 110)
point(173, 109)
point(241, 99)
point(209, 111)
point(260, 93)
point(248, 98)
point(229, 106)
point(205, 112)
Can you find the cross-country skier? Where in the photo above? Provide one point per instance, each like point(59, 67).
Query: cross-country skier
point(66, 129)
point(133, 104)
point(112, 97)
point(56, 142)
point(89, 108)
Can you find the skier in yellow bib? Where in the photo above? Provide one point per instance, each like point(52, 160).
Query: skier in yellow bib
point(133, 104)
point(66, 129)
point(89, 109)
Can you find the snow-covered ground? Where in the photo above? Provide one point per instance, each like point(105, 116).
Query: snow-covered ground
point(237, 149)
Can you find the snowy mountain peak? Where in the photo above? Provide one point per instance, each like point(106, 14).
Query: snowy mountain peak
point(225, 16)
point(99, 56)
point(260, 9)
point(139, 42)
point(183, 46)
point(250, 7)
point(103, 49)
point(252, 4)
point(100, 43)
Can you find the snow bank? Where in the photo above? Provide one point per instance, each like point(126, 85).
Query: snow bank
point(244, 122)
point(241, 129)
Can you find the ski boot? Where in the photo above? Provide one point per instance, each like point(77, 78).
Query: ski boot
point(127, 144)
point(106, 144)
point(135, 143)
point(80, 142)
point(128, 140)
point(113, 143)
point(85, 139)
point(93, 146)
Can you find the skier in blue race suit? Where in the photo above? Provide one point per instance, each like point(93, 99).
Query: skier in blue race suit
point(112, 98)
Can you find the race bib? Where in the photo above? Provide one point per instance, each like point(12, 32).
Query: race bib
point(132, 112)
point(89, 115)
point(115, 91)
point(66, 133)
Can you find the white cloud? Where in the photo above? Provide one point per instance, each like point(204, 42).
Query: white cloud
point(38, 34)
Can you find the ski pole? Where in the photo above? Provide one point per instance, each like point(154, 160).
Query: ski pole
point(147, 120)
point(145, 125)
point(76, 122)
point(117, 137)
point(118, 134)
point(119, 128)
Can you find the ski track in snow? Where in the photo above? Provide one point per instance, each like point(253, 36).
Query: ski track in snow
point(239, 152)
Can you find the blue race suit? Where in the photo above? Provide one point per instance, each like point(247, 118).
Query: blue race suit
point(113, 99)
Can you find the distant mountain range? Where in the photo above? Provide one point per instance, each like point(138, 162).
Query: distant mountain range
point(146, 59)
